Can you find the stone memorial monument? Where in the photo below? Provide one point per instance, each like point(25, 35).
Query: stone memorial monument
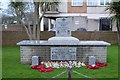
point(63, 47)
point(63, 36)
point(63, 26)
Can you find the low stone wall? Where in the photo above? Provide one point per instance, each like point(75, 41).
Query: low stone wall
point(13, 37)
point(83, 53)
point(44, 52)
point(26, 53)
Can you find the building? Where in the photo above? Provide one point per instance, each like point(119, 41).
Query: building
point(87, 15)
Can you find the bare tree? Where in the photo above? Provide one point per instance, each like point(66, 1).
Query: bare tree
point(40, 9)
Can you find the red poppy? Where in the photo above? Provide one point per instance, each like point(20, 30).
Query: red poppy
point(97, 66)
point(42, 68)
point(38, 67)
point(93, 67)
point(101, 64)
point(49, 69)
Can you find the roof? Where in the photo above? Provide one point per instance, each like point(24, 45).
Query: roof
point(89, 16)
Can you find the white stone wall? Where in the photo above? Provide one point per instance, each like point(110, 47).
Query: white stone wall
point(96, 9)
point(63, 6)
point(88, 23)
point(79, 22)
point(76, 23)
point(93, 25)
point(83, 22)
point(114, 28)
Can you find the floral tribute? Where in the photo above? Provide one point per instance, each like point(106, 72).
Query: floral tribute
point(97, 66)
point(47, 66)
point(42, 68)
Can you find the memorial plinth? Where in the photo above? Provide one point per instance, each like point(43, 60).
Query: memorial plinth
point(63, 47)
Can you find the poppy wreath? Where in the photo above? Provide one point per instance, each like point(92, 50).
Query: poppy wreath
point(41, 68)
point(97, 66)
point(49, 69)
point(101, 64)
point(36, 67)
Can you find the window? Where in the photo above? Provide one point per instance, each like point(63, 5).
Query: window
point(77, 2)
point(92, 2)
point(101, 2)
point(98, 2)
point(104, 2)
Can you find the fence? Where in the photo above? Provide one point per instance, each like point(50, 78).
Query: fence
point(12, 37)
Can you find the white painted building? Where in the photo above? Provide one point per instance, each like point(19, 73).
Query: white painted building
point(86, 14)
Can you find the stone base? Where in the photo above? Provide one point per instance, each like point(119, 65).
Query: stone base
point(44, 52)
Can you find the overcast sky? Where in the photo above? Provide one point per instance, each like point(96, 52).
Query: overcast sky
point(4, 5)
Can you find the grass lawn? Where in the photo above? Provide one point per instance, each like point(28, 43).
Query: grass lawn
point(11, 67)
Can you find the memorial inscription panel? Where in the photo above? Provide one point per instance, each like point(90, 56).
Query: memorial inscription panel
point(63, 53)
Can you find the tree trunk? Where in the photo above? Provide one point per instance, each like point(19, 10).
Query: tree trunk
point(35, 21)
point(39, 19)
point(29, 35)
point(20, 20)
point(38, 26)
